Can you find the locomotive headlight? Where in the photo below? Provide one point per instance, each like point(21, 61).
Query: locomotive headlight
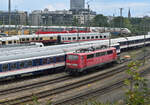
point(74, 65)
point(68, 64)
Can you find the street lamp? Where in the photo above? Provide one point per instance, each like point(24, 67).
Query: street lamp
point(9, 12)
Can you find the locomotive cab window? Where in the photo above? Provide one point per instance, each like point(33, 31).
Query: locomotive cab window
point(72, 57)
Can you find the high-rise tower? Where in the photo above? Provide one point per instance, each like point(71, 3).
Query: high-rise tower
point(77, 4)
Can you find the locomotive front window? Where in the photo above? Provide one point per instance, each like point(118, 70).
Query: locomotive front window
point(72, 57)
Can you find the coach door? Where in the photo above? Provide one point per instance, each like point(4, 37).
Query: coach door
point(83, 61)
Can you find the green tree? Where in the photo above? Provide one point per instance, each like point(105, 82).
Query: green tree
point(100, 21)
point(138, 92)
point(121, 22)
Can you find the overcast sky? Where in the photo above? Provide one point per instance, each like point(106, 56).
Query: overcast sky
point(106, 7)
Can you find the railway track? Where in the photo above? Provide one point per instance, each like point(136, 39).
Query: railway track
point(64, 88)
point(76, 99)
point(58, 90)
point(33, 85)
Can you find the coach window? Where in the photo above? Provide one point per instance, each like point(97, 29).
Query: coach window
point(104, 36)
point(63, 39)
point(15, 41)
point(37, 61)
point(96, 37)
point(32, 38)
point(83, 37)
point(23, 39)
point(74, 38)
point(5, 67)
point(3, 43)
point(37, 38)
point(44, 61)
point(100, 36)
point(69, 38)
point(27, 39)
point(92, 37)
point(41, 38)
point(9, 42)
point(51, 38)
point(88, 37)
point(58, 59)
point(109, 52)
point(79, 38)
point(62, 58)
point(51, 60)
point(29, 63)
point(13, 66)
point(90, 56)
point(21, 65)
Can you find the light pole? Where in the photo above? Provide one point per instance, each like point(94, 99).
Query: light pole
point(121, 20)
point(9, 12)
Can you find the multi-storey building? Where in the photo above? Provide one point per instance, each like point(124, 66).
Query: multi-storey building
point(77, 4)
point(46, 17)
point(17, 18)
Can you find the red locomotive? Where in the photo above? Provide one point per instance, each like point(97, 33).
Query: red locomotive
point(83, 59)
